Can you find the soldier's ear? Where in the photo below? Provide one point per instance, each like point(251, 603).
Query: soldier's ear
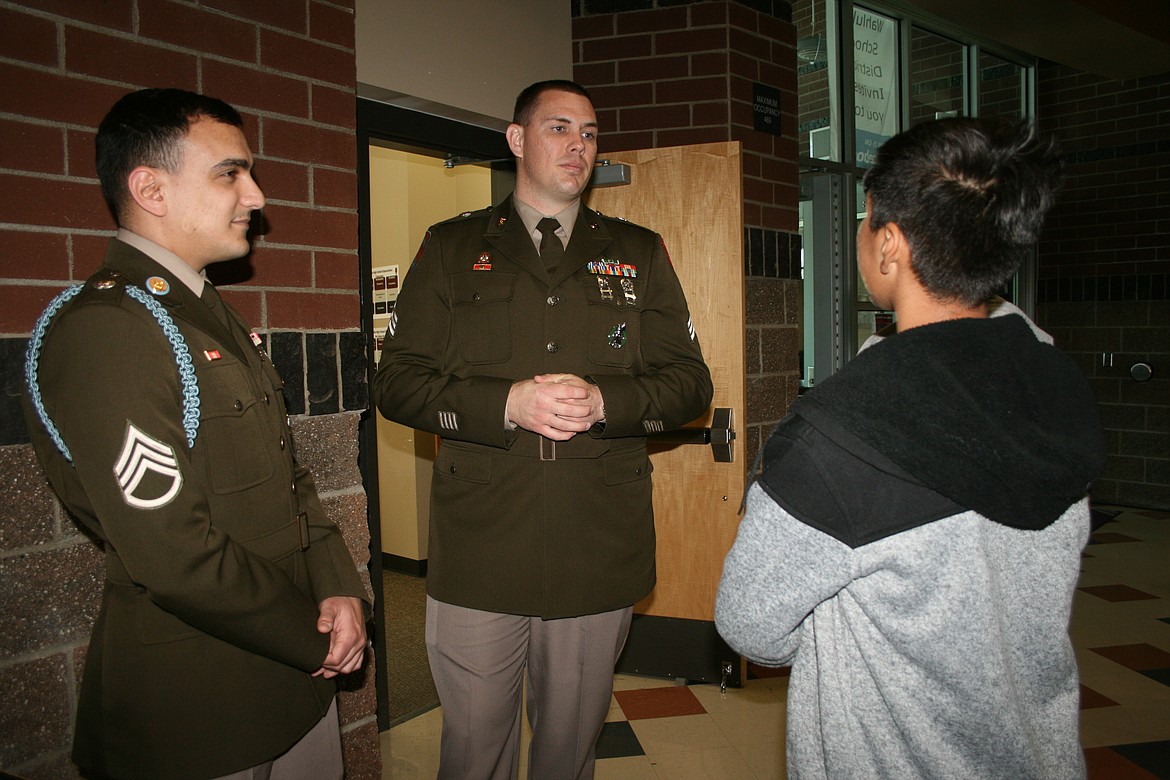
point(515, 136)
point(146, 190)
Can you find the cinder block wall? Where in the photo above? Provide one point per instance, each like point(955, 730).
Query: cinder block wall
point(290, 68)
point(670, 72)
point(1104, 273)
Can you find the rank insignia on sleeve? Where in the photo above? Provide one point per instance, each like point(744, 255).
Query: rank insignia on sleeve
point(484, 263)
point(158, 285)
point(612, 268)
point(147, 471)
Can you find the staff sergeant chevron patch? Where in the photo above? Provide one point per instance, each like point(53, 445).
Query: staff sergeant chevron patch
point(147, 471)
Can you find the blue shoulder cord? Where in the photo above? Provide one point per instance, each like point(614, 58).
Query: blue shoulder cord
point(187, 378)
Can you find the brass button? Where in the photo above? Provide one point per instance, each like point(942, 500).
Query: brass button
point(553, 300)
point(239, 405)
point(282, 443)
point(552, 346)
point(475, 296)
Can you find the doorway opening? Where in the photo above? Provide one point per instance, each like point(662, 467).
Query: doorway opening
point(416, 167)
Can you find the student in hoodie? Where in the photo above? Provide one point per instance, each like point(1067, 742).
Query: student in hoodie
point(913, 538)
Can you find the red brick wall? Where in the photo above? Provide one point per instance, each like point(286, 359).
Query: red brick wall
point(290, 69)
point(683, 74)
point(668, 73)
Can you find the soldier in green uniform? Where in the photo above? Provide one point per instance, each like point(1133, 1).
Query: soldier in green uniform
point(542, 342)
point(230, 599)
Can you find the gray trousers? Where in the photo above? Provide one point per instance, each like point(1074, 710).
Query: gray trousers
point(479, 659)
point(316, 756)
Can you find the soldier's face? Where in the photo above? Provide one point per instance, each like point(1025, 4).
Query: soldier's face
point(555, 151)
point(210, 199)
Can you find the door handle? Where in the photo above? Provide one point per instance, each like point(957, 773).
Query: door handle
point(721, 435)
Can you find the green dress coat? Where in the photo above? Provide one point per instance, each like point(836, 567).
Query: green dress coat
point(217, 548)
point(520, 524)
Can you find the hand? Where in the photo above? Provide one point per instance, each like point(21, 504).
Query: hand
point(556, 406)
point(343, 618)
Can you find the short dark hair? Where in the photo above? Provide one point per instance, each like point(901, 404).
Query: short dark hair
point(527, 99)
point(145, 128)
point(970, 195)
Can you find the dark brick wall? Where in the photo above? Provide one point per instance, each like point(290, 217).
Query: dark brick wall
point(1104, 271)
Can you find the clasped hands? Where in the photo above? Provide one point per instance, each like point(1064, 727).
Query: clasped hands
point(556, 406)
point(343, 618)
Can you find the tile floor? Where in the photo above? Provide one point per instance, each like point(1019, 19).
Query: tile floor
point(1120, 628)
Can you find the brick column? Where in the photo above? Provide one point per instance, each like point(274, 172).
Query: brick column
point(667, 73)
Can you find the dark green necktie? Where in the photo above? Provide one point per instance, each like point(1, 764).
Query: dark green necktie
point(551, 248)
point(214, 302)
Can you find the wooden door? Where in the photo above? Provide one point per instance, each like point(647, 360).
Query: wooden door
point(692, 196)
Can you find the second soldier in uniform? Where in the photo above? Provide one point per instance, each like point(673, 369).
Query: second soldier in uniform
point(542, 353)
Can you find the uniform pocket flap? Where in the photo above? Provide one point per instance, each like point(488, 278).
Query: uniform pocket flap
point(627, 467)
point(463, 464)
point(481, 288)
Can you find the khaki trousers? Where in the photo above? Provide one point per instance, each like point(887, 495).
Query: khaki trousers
point(479, 660)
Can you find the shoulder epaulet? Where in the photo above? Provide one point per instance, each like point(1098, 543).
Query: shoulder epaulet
point(467, 215)
point(623, 221)
point(108, 281)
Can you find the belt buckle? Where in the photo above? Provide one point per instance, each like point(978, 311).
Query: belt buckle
point(552, 449)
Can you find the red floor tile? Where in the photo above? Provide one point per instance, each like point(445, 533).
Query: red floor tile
point(1139, 657)
point(1090, 699)
point(658, 702)
point(1104, 764)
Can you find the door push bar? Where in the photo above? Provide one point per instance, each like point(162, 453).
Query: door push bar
point(721, 436)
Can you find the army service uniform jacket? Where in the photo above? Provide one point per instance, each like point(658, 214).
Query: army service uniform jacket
point(521, 524)
point(218, 551)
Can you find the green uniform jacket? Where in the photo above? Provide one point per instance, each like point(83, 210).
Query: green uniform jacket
point(520, 524)
point(217, 555)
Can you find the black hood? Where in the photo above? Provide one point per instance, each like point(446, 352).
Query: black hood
point(975, 409)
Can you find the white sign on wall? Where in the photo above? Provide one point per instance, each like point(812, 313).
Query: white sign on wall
point(875, 82)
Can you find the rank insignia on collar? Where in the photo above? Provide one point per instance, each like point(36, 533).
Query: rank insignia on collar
point(211, 354)
point(158, 285)
point(484, 263)
point(502, 221)
point(617, 336)
point(612, 268)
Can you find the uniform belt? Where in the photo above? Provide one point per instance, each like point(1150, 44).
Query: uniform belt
point(582, 445)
